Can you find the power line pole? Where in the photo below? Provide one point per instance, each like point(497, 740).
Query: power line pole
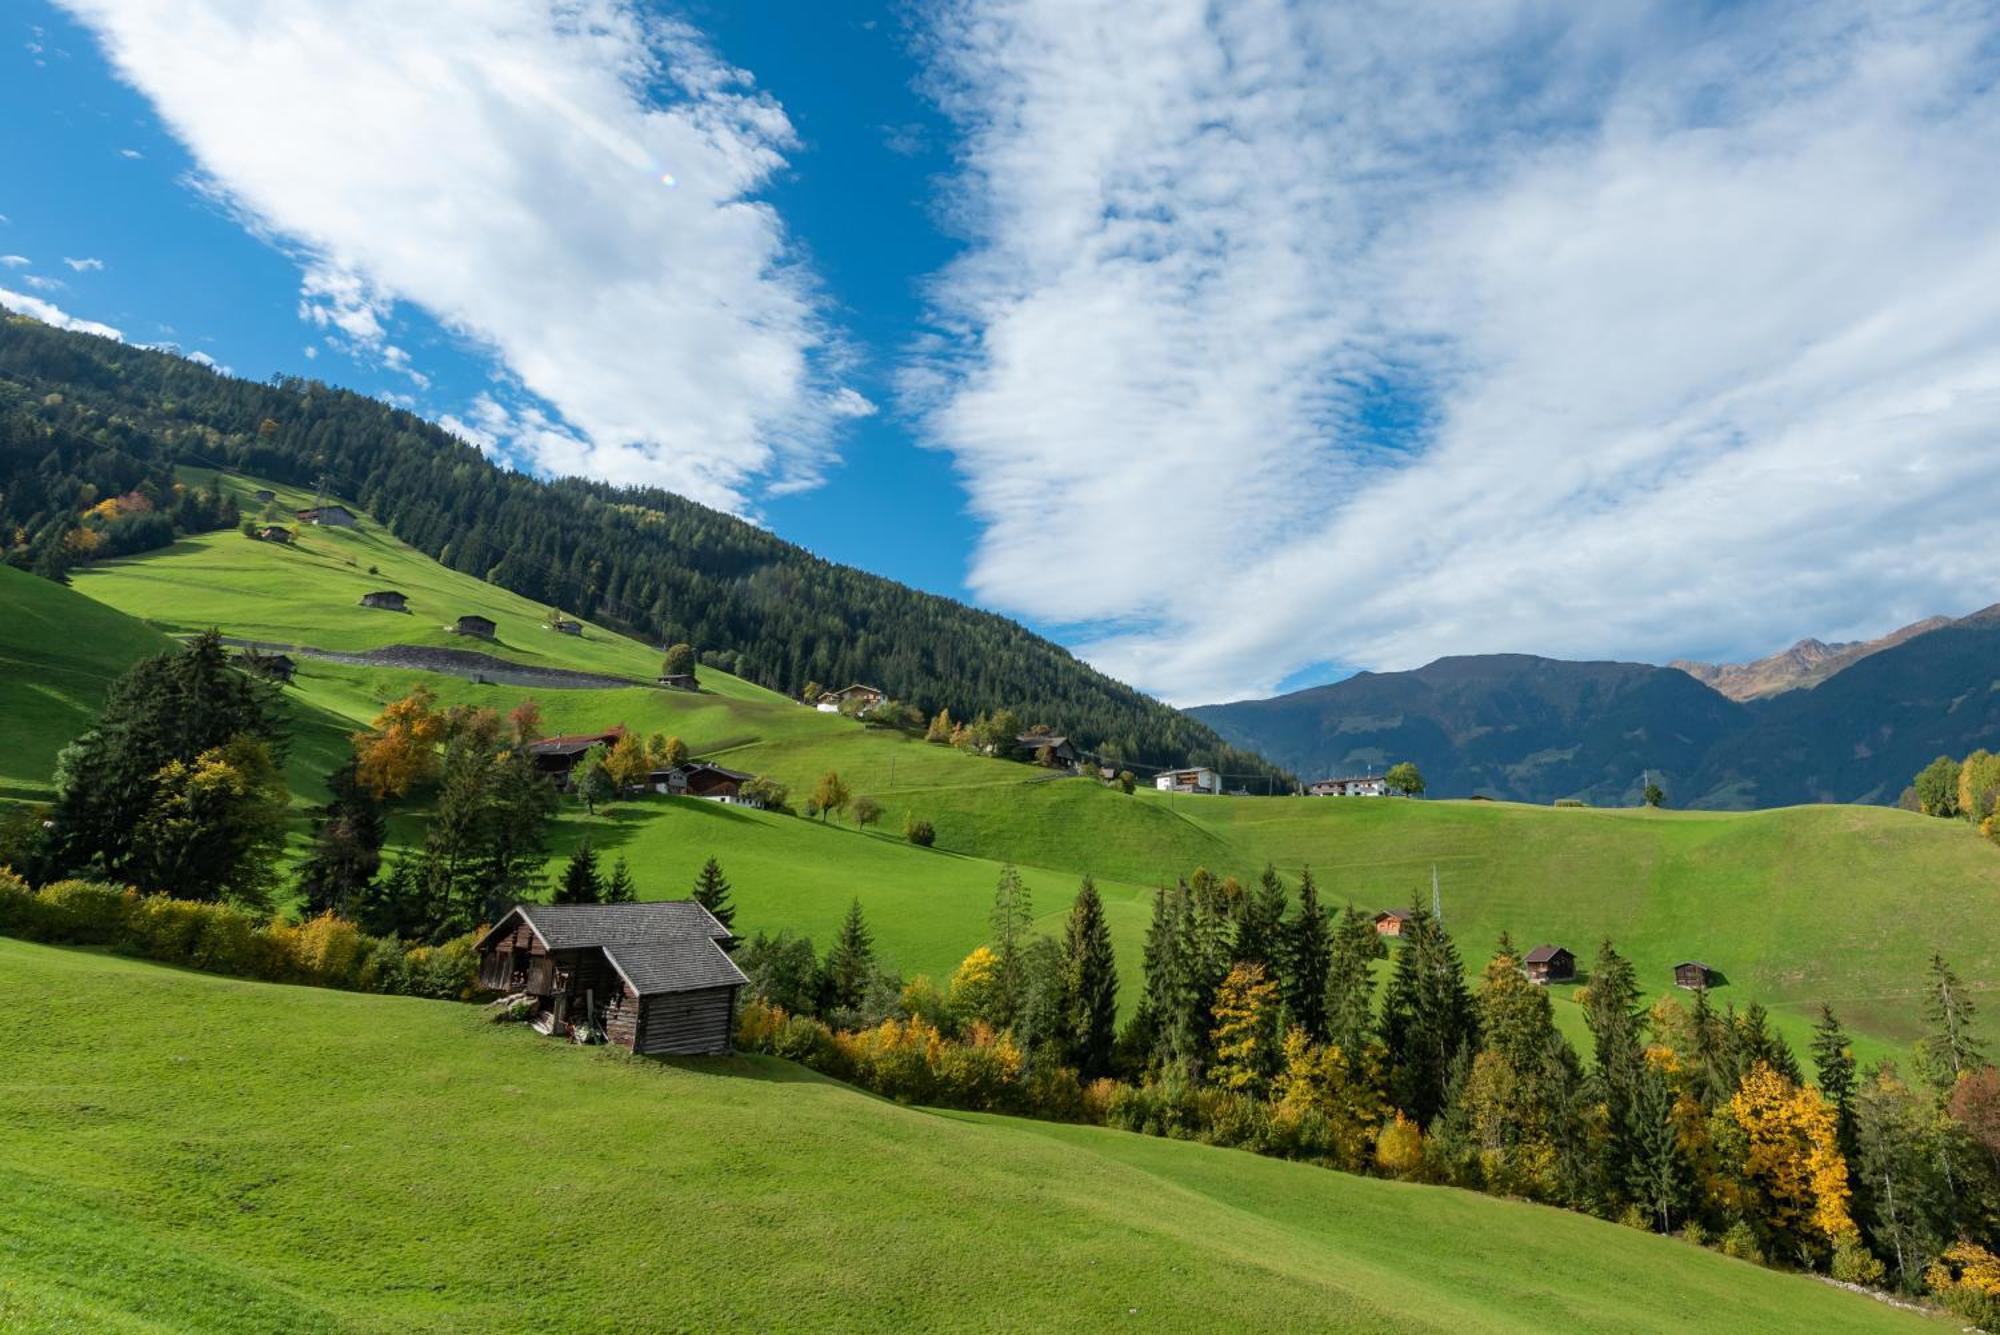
point(1437, 899)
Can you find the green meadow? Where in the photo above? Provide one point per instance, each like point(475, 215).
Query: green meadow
point(228, 1157)
point(1793, 906)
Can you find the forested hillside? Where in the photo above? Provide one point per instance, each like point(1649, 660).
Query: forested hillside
point(84, 419)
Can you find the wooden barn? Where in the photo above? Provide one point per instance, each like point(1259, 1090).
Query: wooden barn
point(679, 681)
point(557, 756)
point(1389, 922)
point(332, 516)
point(701, 779)
point(271, 667)
point(1033, 744)
point(652, 977)
point(477, 626)
point(859, 697)
point(263, 495)
point(564, 626)
point(1692, 975)
point(386, 599)
point(1549, 964)
point(274, 533)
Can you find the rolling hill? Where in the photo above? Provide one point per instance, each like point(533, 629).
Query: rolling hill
point(229, 1156)
point(1795, 906)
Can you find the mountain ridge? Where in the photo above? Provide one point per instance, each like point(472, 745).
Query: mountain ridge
point(1803, 665)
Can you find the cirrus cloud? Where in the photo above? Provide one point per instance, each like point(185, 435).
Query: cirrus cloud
point(572, 186)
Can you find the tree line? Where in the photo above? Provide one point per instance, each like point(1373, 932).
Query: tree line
point(1967, 790)
point(641, 560)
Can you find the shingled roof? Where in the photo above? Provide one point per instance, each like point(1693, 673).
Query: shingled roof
point(668, 945)
point(1543, 954)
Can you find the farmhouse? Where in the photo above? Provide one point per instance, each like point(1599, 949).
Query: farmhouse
point(1200, 779)
point(861, 698)
point(271, 667)
point(712, 783)
point(274, 533)
point(1389, 922)
point(1059, 749)
point(557, 756)
point(1692, 975)
point(481, 627)
point(332, 516)
point(1370, 785)
point(679, 681)
point(1549, 964)
point(651, 977)
point(386, 599)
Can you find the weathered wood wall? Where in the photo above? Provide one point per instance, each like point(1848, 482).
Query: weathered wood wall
point(687, 1023)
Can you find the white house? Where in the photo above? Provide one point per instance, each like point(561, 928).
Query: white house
point(1369, 785)
point(864, 697)
point(1200, 779)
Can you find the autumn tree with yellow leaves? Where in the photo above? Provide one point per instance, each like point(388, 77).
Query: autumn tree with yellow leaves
point(1246, 1030)
point(1793, 1175)
point(400, 750)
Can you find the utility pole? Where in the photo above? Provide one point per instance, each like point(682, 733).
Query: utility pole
point(1437, 900)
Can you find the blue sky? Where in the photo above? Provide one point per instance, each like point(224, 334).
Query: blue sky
point(1237, 345)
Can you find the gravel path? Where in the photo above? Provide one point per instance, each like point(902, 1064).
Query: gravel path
point(454, 662)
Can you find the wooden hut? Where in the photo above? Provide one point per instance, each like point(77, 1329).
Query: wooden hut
point(1389, 922)
point(271, 667)
point(386, 599)
point(701, 779)
point(1059, 749)
point(477, 626)
point(564, 626)
point(1692, 975)
point(332, 516)
point(679, 681)
point(653, 978)
point(557, 756)
point(263, 495)
point(274, 533)
point(1549, 964)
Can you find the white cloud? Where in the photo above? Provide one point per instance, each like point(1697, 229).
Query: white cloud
point(84, 265)
point(1689, 325)
point(49, 313)
point(130, 153)
point(41, 284)
point(500, 164)
point(15, 261)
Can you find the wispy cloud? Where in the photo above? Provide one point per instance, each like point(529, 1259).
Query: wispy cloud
point(1365, 333)
point(83, 265)
point(41, 284)
point(130, 153)
point(572, 185)
point(15, 261)
point(50, 313)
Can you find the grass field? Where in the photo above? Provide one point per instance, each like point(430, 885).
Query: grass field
point(228, 1156)
point(1796, 906)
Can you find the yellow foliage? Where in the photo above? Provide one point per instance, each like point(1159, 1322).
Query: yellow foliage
point(106, 509)
point(400, 751)
point(1793, 1155)
point(1977, 1270)
point(327, 947)
point(627, 762)
point(82, 541)
point(1399, 1150)
point(758, 1023)
point(1246, 1029)
point(971, 990)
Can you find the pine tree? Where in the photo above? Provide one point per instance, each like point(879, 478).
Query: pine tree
point(1427, 1017)
point(1308, 951)
point(850, 965)
point(1948, 1047)
point(1260, 922)
point(711, 891)
point(1350, 981)
point(1657, 1172)
point(1833, 1062)
point(348, 833)
point(1011, 919)
point(619, 889)
point(1090, 975)
point(1613, 1016)
point(580, 882)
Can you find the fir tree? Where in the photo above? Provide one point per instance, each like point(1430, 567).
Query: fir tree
point(1350, 981)
point(1011, 920)
point(1308, 952)
point(1090, 984)
point(1949, 1048)
point(711, 891)
point(347, 838)
point(850, 965)
point(1427, 1018)
point(1657, 1173)
point(580, 882)
point(1614, 1019)
point(1833, 1063)
point(619, 889)
point(1260, 922)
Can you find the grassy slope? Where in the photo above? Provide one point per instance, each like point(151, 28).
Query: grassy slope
point(1840, 903)
point(231, 1156)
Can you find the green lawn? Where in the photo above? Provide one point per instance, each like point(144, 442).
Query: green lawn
point(185, 1152)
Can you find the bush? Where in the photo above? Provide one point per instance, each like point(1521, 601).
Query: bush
point(1570, 802)
point(1693, 1232)
point(919, 832)
point(84, 913)
point(1966, 1279)
point(18, 906)
point(328, 951)
point(1855, 1264)
point(1740, 1241)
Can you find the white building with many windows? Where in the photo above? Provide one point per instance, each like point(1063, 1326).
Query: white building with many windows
point(1368, 785)
point(1200, 779)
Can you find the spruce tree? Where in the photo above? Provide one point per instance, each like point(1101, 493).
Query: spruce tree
point(1260, 922)
point(1833, 1063)
point(1350, 981)
point(850, 965)
point(1164, 971)
point(1758, 1042)
point(1949, 1048)
point(1614, 1019)
point(1657, 1174)
point(620, 889)
point(1090, 976)
point(580, 882)
point(1012, 915)
point(1427, 1017)
point(1308, 957)
point(711, 891)
point(347, 838)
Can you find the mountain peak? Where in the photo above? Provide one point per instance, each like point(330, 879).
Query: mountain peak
point(1806, 664)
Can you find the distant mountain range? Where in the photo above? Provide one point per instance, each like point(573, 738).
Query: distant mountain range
point(1855, 722)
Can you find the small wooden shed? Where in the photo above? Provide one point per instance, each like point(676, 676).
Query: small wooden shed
point(274, 533)
point(1549, 964)
point(680, 681)
point(271, 667)
point(653, 977)
point(1692, 975)
point(332, 516)
point(263, 495)
point(1389, 922)
point(477, 626)
point(386, 599)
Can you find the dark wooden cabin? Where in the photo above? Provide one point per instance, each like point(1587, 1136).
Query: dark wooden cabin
point(1549, 964)
point(557, 756)
point(653, 977)
point(271, 667)
point(1692, 974)
point(701, 779)
point(564, 626)
point(478, 626)
point(386, 599)
point(263, 495)
point(274, 533)
point(1059, 748)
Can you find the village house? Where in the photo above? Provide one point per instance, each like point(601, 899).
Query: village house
point(274, 533)
point(1692, 975)
point(1368, 785)
point(654, 977)
point(1200, 779)
point(711, 783)
point(1389, 922)
point(679, 681)
point(386, 599)
point(476, 626)
point(860, 698)
point(332, 516)
point(1549, 964)
point(557, 756)
point(1033, 744)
